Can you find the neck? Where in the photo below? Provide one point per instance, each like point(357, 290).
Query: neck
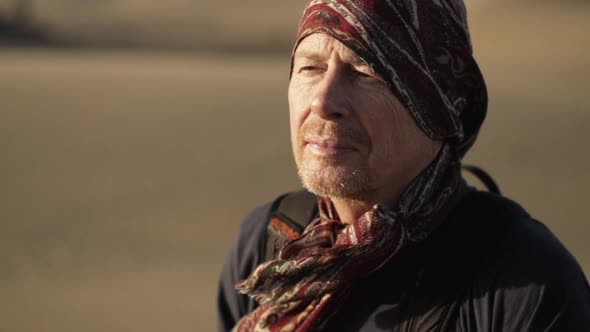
point(350, 209)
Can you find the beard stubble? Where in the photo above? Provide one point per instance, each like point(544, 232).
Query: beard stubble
point(333, 176)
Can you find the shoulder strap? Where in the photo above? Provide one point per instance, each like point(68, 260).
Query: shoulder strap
point(288, 216)
point(298, 208)
point(482, 176)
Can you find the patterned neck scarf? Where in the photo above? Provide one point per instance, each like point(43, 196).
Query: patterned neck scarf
point(422, 50)
point(311, 276)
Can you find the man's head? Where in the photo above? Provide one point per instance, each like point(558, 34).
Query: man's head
point(376, 88)
point(351, 136)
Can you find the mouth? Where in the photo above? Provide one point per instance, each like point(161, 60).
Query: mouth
point(328, 146)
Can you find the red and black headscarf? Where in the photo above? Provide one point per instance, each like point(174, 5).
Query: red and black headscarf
point(422, 49)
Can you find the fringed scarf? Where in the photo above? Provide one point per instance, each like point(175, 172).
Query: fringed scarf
point(422, 49)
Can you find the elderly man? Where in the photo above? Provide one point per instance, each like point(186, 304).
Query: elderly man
point(385, 99)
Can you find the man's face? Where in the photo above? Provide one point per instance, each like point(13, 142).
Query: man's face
point(350, 135)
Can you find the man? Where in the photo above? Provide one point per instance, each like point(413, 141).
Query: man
point(385, 98)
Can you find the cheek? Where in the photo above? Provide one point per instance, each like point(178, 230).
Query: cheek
point(403, 148)
point(385, 140)
point(296, 112)
point(393, 135)
point(381, 122)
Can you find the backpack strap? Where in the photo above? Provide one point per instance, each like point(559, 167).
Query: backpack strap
point(288, 216)
point(482, 176)
point(298, 208)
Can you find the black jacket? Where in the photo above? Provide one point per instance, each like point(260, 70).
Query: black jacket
point(488, 267)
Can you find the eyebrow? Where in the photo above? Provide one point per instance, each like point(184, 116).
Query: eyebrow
point(308, 55)
point(349, 57)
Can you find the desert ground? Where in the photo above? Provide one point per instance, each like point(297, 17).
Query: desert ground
point(125, 174)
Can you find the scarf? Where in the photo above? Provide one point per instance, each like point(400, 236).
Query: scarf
point(422, 50)
point(311, 276)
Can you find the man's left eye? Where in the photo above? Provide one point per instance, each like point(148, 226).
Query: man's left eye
point(365, 75)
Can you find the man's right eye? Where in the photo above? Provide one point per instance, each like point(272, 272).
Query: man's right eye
point(308, 68)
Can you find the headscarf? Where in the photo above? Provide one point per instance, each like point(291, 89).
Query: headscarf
point(423, 51)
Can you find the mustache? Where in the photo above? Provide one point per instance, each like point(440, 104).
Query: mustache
point(330, 129)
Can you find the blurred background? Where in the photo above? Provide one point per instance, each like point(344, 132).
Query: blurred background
point(136, 134)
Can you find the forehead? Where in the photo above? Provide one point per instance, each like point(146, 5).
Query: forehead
point(320, 46)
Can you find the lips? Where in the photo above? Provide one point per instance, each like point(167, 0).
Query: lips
point(328, 146)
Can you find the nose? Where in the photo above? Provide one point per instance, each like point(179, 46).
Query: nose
point(330, 100)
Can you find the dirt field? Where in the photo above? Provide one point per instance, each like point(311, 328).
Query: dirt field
point(124, 175)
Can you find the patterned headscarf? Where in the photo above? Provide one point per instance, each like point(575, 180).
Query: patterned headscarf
point(422, 49)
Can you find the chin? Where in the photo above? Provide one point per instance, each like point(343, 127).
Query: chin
point(334, 180)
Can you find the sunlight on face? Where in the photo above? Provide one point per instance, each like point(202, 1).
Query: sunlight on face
point(351, 137)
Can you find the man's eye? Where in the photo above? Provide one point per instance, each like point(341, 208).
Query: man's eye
point(309, 68)
point(368, 77)
point(365, 75)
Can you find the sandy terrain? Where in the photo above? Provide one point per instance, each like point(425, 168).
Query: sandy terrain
point(124, 175)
